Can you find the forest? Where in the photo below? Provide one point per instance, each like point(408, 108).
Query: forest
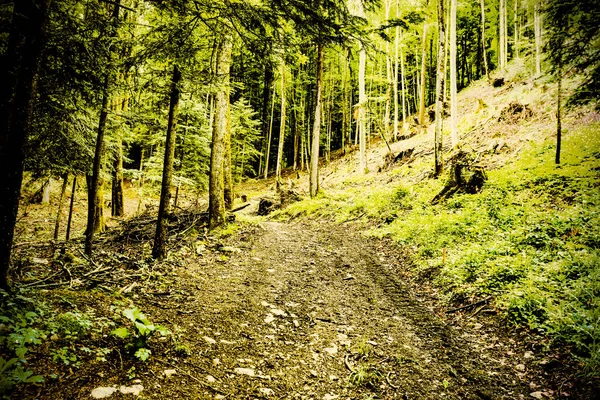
point(307, 199)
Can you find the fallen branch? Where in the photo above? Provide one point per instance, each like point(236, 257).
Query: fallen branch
point(347, 363)
point(387, 378)
point(240, 208)
point(469, 305)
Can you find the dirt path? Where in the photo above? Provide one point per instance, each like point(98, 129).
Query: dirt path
point(299, 307)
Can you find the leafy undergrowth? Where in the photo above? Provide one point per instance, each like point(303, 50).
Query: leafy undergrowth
point(530, 239)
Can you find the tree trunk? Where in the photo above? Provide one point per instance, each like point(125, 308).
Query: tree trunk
point(483, 40)
point(501, 63)
point(118, 204)
point(216, 189)
point(160, 237)
point(266, 98)
point(316, 136)
point(46, 191)
point(558, 115)
point(537, 24)
point(17, 98)
point(63, 189)
point(453, 94)
point(516, 29)
point(423, 75)
point(94, 184)
point(282, 124)
point(441, 74)
point(362, 105)
point(269, 136)
point(68, 234)
point(228, 194)
point(396, 46)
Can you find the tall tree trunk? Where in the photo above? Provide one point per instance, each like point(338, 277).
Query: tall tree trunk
point(266, 99)
point(228, 194)
point(441, 75)
point(453, 94)
point(118, 204)
point(516, 29)
point(558, 114)
point(269, 136)
point(362, 109)
point(281, 125)
point(160, 238)
point(483, 40)
point(501, 56)
point(316, 134)
point(94, 183)
point(423, 75)
point(17, 98)
point(405, 112)
point(68, 234)
point(46, 191)
point(396, 46)
point(537, 25)
point(216, 195)
point(63, 189)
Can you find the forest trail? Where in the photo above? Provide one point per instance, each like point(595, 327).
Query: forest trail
point(293, 308)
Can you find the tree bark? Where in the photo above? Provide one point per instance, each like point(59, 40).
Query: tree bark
point(63, 189)
point(316, 136)
point(483, 40)
point(17, 98)
point(441, 74)
point(453, 94)
point(282, 124)
point(94, 184)
point(423, 75)
point(68, 234)
point(362, 105)
point(160, 237)
point(537, 24)
point(216, 195)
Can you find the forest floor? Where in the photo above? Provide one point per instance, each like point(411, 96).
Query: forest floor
point(297, 310)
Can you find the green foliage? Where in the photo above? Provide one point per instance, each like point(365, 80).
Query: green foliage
point(245, 139)
point(365, 375)
point(139, 333)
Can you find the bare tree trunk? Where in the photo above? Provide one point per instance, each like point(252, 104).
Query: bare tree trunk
point(441, 75)
point(423, 74)
point(516, 29)
point(46, 191)
point(483, 40)
point(281, 125)
point(68, 234)
point(362, 105)
point(537, 25)
point(63, 189)
point(453, 94)
point(118, 205)
point(558, 114)
point(396, 46)
point(405, 112)
point(160, 238)
point(94, 184)
point(266, 97)
point(217, 157)
point(269, 136)
point(316, 136)
point(228, 194)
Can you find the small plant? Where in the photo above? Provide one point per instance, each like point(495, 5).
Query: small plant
point(140, 333)
point(362, 347)
point(365, 375)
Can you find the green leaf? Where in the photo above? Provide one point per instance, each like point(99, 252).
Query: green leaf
point(162, 330)
point(144, 329)
point(20, 352)
point(143, 354)
point(121, 332)
point(34, 379)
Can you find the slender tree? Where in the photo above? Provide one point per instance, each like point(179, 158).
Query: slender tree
point(282, 123)
point(453, 94)
point(316, 133)
point(441, 74)
point(160, 237)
